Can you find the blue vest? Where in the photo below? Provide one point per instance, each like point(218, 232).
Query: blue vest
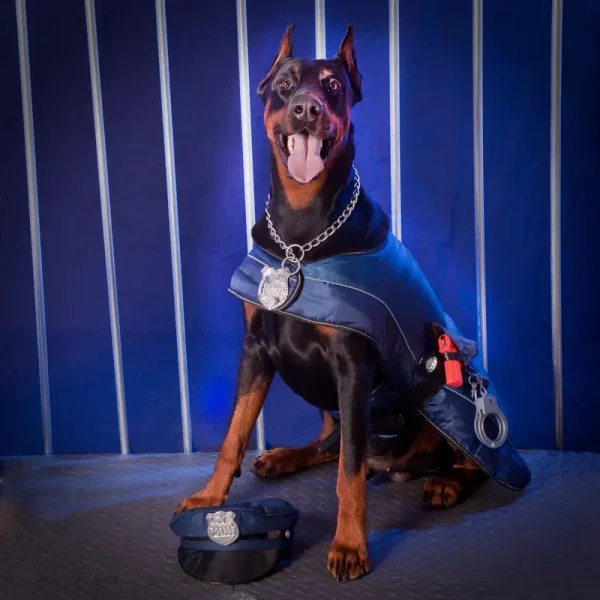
point(384, 295)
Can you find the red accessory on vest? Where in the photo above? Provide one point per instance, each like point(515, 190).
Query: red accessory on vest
point(452, 366)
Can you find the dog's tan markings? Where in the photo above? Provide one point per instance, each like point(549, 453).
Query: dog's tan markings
point(279, 461)
point(445, 491)
point(326, 330)
point(348, 556)
point(232, 451)
point(299, 195)
point(271, 120)
point(466, 463)
point(426, 441)
point(249, 311)
point(441, 492)
point(341, 126)
point(327, 426)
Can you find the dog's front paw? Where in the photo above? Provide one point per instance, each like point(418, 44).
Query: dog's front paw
point(199, 500)
point(346, 562)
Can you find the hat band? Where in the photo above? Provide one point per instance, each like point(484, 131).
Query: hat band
point(241, 544)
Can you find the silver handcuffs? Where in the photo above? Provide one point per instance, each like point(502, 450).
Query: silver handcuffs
point(487, 406)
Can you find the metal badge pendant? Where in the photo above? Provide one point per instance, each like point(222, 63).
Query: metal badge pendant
point(222, 528)
point(274, 289)
point(279, 287)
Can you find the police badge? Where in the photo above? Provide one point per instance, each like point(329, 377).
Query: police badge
point(278, 287)
point(273, 289)
point(222, 528)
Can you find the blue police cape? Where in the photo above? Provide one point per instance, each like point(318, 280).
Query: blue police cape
point(384, 295)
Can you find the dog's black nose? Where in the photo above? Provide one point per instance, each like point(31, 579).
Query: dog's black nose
point(307, 108)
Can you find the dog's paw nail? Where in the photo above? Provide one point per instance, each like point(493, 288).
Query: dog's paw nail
point(347, 563)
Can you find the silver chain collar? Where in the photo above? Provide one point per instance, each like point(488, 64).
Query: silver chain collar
point(290, 251)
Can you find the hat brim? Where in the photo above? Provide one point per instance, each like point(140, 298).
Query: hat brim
point(234, 567)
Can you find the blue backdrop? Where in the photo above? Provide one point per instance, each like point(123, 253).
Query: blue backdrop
point(437, 205)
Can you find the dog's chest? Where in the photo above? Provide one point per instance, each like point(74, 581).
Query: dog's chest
point(300, 356)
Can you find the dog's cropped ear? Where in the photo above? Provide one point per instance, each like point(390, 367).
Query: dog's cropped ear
point(347, 55)
point(284, 52)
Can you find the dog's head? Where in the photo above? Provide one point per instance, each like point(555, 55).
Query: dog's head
point(307, 109)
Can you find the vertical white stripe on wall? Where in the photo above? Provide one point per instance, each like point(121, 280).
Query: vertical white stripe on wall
point(478, 177)
point(167, 119)
point(320, 36)
point(555, 215)
point(109, 257)
point(246, 121)
point(34, 225)
point(395, 165)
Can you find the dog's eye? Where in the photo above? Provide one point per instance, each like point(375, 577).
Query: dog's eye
point(285, 84)
point(333, 85)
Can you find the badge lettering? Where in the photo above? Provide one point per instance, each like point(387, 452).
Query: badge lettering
point(273, 290)
point(222, 528)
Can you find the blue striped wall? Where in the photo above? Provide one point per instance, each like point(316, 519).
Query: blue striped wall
point(436, 156)
point(20, 415)
point(136, 172)
point(516, 87)
point(580, 218)
point(288, 419)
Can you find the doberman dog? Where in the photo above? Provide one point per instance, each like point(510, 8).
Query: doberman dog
point(307, 106)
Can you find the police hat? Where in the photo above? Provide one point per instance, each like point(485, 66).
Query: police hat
point(235, 543)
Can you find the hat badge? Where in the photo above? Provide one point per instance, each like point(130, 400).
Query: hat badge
point(222, 528)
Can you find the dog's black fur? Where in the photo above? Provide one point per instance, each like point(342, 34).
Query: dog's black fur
point(330, 368)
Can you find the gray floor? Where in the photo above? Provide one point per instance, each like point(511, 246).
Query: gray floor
point(97, 527)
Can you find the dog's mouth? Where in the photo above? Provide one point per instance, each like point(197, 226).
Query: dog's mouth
point(304, 154)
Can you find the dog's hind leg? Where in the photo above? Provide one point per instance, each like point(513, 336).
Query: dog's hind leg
point(279, 461)
point(255, 375)
point(453, 485)
point(422, 451)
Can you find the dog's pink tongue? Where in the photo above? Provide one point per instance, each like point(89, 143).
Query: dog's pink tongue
point(305, 162)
